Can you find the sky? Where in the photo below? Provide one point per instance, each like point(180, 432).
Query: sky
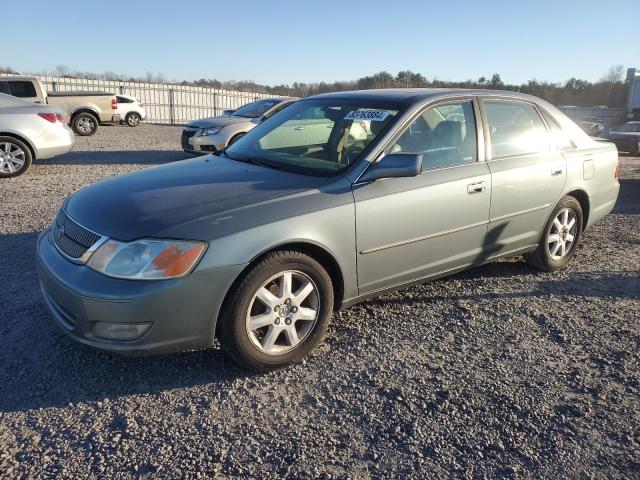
point(281, 42)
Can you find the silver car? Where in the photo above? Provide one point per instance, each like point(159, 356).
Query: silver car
point(209, 135)
point(28, 132)
point(260, 244)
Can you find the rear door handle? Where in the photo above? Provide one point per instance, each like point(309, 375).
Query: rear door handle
point(476, 187)
point(299, 128)
point(556, 171)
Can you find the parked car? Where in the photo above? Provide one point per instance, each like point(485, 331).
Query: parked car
point(626, 137)
point(592, 128)
point(84, 110)
point(259, 244)
point(29, 132)
point(131, 110)
point(209, 135)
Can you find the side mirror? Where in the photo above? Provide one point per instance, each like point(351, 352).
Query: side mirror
point(226, 113)
point(394, 165)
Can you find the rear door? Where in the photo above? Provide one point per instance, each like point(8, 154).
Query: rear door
point(528, 173)
point(411, 228)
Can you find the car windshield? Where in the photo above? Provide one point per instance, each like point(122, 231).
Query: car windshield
point(255, 109)
point(318, 137)
point(631, 127)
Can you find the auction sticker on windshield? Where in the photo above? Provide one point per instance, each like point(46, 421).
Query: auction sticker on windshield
point(373, 115)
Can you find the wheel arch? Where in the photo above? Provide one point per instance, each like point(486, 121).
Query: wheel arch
point(583, 199)
point(315, 251)
point(23, 139)
point(84, 110)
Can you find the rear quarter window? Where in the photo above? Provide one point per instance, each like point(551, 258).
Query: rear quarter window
point(22, 89)
point(558, 135)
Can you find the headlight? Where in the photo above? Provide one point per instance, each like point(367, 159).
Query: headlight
point(146, 259)
point(210, 131)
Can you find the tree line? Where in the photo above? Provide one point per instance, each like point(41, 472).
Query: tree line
point(610, 90)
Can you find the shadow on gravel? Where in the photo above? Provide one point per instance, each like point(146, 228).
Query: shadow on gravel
point(603, 284)
point(629, 198)
point(142, 157)
point(41, 367)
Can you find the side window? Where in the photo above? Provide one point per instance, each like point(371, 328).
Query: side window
point(123, 100)
point(558, 136)
point(515, 128)
point(4, 88)
point(22, 89)
point(444, 134)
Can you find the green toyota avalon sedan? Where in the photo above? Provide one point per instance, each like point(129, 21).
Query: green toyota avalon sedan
point(259, 244)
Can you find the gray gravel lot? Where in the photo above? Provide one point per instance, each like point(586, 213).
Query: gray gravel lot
point(500, 371)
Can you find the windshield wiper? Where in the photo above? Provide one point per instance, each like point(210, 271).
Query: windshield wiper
point(254, 161)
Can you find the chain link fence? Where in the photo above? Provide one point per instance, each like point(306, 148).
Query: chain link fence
point(165, 103)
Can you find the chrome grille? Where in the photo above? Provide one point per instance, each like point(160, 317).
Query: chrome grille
point(72, 239)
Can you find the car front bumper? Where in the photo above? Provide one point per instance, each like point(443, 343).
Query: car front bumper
point(205, 144)
point(182, 312)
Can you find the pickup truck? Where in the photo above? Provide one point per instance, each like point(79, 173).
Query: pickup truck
point(85, 110)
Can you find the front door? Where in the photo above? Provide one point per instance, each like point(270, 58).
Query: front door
point(411, 228)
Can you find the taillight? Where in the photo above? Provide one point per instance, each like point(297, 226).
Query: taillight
point(52, 117)
point(114, 103)
point(617, 173)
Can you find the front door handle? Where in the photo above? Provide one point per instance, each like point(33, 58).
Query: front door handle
point(476, 187)
point(299, 128)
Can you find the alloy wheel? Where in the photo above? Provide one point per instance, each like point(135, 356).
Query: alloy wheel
point(12, 157)
point(282, 312)
point(133, 120)
point(86, 125)
point(562, 235)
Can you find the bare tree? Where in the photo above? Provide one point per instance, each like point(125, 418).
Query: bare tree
point(62, 70)
point(615, 74)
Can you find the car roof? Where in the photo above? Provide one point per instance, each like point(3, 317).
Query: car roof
point(417, 95)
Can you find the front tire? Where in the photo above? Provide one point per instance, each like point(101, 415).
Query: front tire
point(133, 119)
point(15, 157)
point(278, 312)
point(84, 124)
point(560, 237)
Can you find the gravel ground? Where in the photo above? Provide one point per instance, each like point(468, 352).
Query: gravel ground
point(500, 371)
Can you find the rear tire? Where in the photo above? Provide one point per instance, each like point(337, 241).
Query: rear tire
point(84, 124)
point(15, 157)
point(560, 237)
point(133, 119)
point(278, 312)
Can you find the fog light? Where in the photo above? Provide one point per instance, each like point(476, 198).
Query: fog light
point(120, 331)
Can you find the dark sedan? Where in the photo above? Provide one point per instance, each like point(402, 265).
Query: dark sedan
point(626, 137)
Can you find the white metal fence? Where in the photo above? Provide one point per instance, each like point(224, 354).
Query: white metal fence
point(165, 103)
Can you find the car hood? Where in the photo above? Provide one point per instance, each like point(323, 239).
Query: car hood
point(219, 122)
point(189, 199)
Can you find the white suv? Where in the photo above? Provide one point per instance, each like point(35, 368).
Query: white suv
point(131, 110)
